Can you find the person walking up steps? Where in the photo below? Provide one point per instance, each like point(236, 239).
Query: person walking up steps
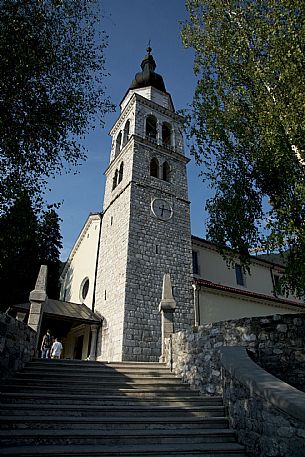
point(46, 345)
point(56, 349)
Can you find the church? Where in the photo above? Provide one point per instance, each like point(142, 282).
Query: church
point(117, 265)
point(135, 273)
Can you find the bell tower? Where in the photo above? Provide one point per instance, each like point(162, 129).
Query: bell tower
point(146, 223)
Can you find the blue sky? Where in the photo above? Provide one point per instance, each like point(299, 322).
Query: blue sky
point(130, 24)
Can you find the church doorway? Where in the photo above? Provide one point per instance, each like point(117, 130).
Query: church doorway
point(78, 349)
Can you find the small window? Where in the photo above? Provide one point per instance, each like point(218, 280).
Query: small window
point(126, 132)
point(277, 284)
point(154, 168)
point(118, 144)
point(121, 172)
point(115, 179)
point(166, 134)
point(195, 263)
point(84, 288)
point(151, 128)
point(165, 171)
point(240, 277)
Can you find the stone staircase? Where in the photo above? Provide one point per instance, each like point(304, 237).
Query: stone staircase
point(79, 408)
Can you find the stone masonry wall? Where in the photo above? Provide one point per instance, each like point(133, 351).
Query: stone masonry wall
point(17, 345)
point(265, 430)
point(276, 342)
point(155, 247)
point(138, 247)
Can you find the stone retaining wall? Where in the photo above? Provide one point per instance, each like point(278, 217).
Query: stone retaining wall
point(17, 345)
point(277, 343)
point(269, 420)
point(267, 414)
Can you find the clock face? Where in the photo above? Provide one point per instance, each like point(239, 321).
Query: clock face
point(162, 209)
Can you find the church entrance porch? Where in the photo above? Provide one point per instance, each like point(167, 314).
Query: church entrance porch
point(75, 325)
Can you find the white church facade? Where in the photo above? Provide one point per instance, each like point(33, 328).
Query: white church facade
point(118, 262)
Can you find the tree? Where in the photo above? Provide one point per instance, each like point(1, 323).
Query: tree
point(49, 249)
point(19, 248)
point(51, 88)
point(247, 124)
point(28, 239)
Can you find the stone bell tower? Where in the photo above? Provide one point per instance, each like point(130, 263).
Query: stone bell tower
point(146, 223)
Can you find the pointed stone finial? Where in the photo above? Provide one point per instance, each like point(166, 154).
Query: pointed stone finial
point(167, 308)
point(38, 298)
point(40, 291)
point(168, 302)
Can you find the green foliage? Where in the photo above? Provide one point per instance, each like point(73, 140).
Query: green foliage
point(28, 239)
point(49, 249)
point(51, 89)
point(248, 124)
point(19, 263)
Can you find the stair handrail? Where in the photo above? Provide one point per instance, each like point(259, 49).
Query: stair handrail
point(283, 396)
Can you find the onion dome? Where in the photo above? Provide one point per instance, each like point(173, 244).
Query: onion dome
point(148, 77)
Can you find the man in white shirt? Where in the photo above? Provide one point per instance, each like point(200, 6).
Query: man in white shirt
point(56, 349)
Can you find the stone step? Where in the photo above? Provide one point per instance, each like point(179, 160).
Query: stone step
point(140, 423)
point(96, 372)
point(146, 399)
point(21, 379)
point(109, 411)
point(131, 409)
point(149, 450)
point(85, 364)
point(118, 437)
point(139, 391)
point(53, 364)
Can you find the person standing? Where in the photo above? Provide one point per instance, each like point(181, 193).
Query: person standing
point(46, 345)
point(56, 349)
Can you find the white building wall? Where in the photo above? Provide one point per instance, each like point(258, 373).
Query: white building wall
point(212, 267)
point(81, 264)
point(215, 307)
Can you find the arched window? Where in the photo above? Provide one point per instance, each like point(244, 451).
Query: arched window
point(115, 179)
point(166, 134)
point(121, 172)
point(154, 168)
point(126, 132)
point(151, 128)
point(118, 144)
point(165, 171)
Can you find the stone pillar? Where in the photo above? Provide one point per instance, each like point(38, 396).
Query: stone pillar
point(196, 289)
point(94, 329)
point(38, 297)
point(167, 308)
point(173, 138)
point(159, 132)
